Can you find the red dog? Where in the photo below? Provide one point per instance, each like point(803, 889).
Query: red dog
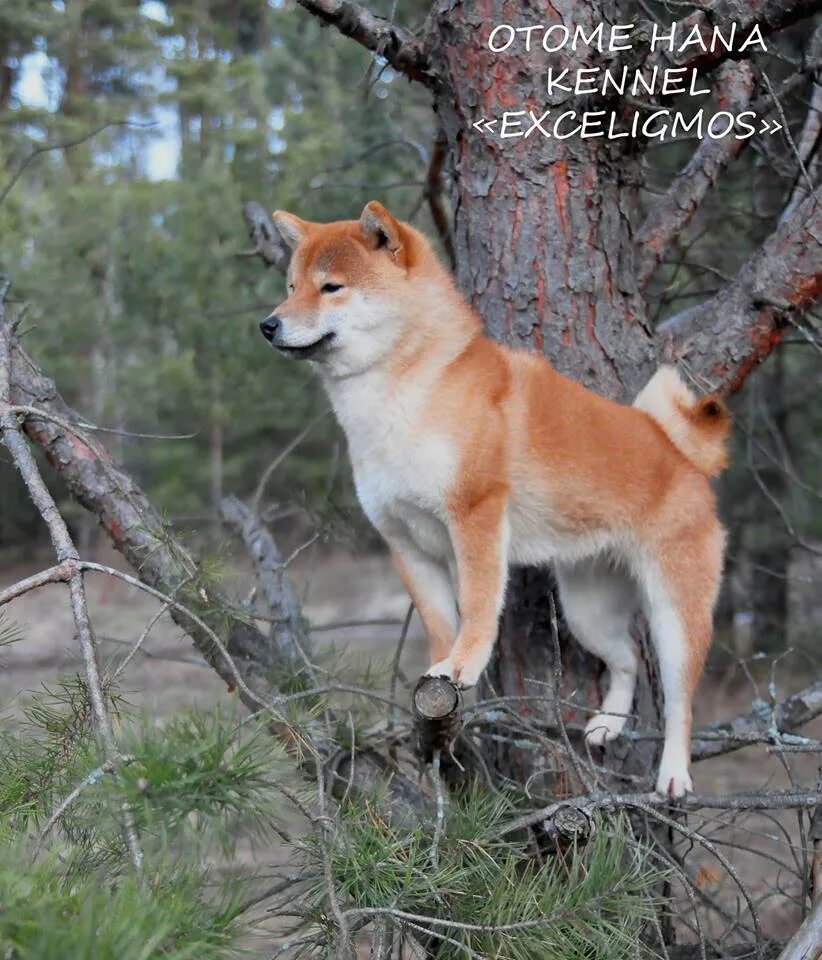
point(469, 457)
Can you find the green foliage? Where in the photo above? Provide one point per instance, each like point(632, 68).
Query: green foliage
point(589, 902)
point(193, 786)
point(200, 770)
point(52, 750)
point(196, 783)
point(9, 630)
point(44, 916)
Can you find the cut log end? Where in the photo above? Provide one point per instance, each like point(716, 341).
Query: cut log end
point(436, 698)
point(437, 704)
point(569, 824)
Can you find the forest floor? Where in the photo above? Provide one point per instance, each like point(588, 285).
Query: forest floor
point(337, 588)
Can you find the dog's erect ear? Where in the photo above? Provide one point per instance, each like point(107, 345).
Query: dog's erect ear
point(380, 229)
point(291, 228)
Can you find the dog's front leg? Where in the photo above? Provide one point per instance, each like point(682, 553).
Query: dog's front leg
point(429, 584)
point(479, 533)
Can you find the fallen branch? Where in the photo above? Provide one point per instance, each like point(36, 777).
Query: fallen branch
point(229, 641)
point(611, 802)
point(288, 627)
point(764, 723)
point(67, 557)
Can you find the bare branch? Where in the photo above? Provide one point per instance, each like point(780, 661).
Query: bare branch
point(266, 238)
point(60, 573)
point(281, 456)
point(768, 15)
point(66, 551)
point(434, 193)
point(762, 723)
point(807, 942)
point(87, 781)
point(395, 44)
point(764, 800)
point(808, 147)
point(288, 626)
point(62, 145)
point(229, 641)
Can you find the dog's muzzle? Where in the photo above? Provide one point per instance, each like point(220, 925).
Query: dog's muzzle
point(271, 329)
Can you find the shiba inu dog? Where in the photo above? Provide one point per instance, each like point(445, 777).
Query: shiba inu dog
point(469, 457)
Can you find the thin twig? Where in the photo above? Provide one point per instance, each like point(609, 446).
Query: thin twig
point(87, 781)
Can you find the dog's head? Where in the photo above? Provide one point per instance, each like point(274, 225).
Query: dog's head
point(349, 289)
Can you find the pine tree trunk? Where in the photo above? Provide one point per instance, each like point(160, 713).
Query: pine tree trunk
point(545, 254)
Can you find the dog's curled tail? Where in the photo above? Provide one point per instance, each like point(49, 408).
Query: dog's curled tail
point(697, 426)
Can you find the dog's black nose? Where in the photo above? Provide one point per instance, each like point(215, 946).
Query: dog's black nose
point(270, 326)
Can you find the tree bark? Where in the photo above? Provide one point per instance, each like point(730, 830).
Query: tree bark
point(546, 253)
point(543, 233)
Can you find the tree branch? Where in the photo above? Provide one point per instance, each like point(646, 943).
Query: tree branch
point(723, 339)
point(806, 944)
point(67, 556)
point(808, 147)
point(764, 800)
point(768, 15)
point(764, 721)
point(288, 627)
point(675, 209)
point(396, 44)
point(268, 244)
point(435, 195)
point(132, 523)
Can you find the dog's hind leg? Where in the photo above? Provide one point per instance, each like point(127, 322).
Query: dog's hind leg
point(680, 585)
point(599, 602)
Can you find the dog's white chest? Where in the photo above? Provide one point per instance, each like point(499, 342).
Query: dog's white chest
point(403, 469)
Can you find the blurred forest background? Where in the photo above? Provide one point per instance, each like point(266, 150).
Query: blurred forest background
point(128, 249)
point(128, 246)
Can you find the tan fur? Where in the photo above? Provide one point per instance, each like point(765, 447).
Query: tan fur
point(469, 456)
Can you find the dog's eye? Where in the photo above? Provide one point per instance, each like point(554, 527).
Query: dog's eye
point(330, 287)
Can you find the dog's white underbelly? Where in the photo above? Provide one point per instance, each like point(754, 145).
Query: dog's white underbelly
point(404, 474)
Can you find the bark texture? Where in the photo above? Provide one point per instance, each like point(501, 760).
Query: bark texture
point(543, 232)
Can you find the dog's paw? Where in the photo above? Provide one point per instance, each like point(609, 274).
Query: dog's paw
point(464, 675)
point(603, 727)
point(674, 782)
